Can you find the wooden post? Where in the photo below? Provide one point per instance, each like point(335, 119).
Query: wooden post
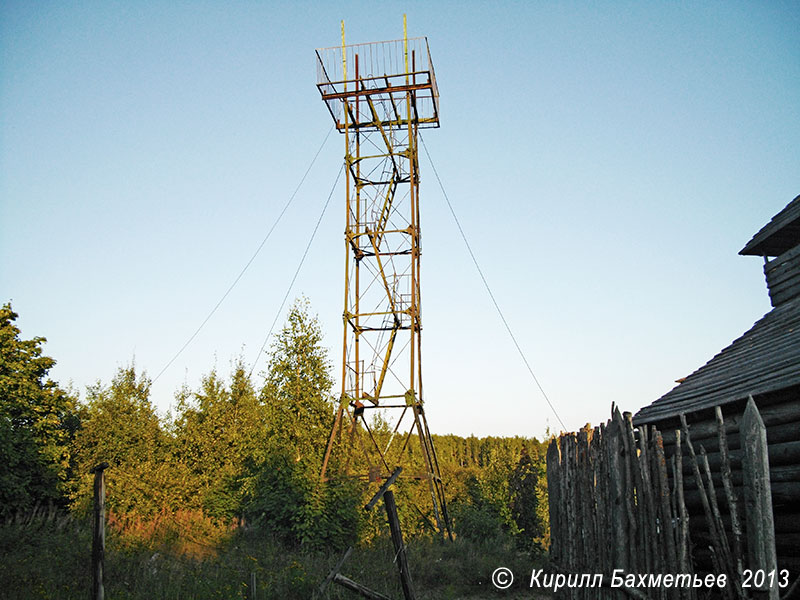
point(650, 510)
point(727, 483)
point(386, 484)
point(640, 539)
point(758, 497)
point(618, 521)
point(253, 586)
point(634, 557)
point(364, 591)
point(334, 572)
point(683, 515)
point(598, 522)
point(399, 547)
point(724, 547)
point(99, 531)
point(710, 521)
point(670, 559)
point(555, 500)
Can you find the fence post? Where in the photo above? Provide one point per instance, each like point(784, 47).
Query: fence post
point(99, 531)
point(555, 501)
point(400, 549)
point(758, 498)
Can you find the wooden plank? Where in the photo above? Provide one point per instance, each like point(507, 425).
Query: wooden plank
point(762, 361)
point(629, 491)
point(684, 542)
point(584, 496)
point(605, 538)
point(666, 514)
point(782, 266)
point(334, 571)
point(784, 496)
point(783, 258)
point(724, 548)
point(651, 541)
point(711, 524)
point(787, 545)
point(358, 588)
point(782, 273)
point(555, 500)
point(785, 291)
point(785, 522)
point(786, 265)
point(567, 462)
point(644, 560)
point(776, 434)
point(601, 498)
point(727, 483)
point(618, 517)
point(778, 475)
point(392, 478)
point(758, 500)
point(773, 415)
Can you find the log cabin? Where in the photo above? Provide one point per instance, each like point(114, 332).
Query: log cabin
point(763, 363)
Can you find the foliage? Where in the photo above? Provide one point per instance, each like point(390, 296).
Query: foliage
point(229, 485)
point(120, 426)
point(297, 392)
point(476, 516)
point(37, 420)
point(287, 498)
point(524, 500)
point(219, 435)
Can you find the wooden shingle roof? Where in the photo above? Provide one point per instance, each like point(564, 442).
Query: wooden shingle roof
point(782, 233)
point(765, 359)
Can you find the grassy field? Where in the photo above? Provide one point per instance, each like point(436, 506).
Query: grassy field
point(49, 556)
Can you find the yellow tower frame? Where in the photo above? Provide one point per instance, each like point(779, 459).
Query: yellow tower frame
point(380, 94)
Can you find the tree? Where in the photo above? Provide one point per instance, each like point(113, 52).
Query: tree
point(219, 437)
point(120, 426)
point(524, 491)
point(37, 420)
point(297, 392)
point(287, 497)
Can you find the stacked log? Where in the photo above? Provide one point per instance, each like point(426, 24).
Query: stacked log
point(628, 501)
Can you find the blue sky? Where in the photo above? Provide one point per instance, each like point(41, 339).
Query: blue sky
point(607, 162)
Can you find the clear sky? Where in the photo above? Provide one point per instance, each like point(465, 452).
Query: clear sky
point(607, 161)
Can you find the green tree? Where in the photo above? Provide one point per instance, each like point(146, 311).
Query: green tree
point(524, 502)
point(120, 426)
point(37, 420)
point(219, 438)
point(287, 497)
point(297, 392)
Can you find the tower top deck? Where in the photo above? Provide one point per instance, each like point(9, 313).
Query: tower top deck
point(394, 80)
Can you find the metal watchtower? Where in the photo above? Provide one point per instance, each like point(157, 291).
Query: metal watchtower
point(380, 94)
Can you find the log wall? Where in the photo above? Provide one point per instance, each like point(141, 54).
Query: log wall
point(619, 500)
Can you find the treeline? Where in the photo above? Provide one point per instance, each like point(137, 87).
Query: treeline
point(233, 455)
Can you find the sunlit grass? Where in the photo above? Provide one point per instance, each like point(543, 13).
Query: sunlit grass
point(188, 555)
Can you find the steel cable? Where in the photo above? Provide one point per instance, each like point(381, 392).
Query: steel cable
point(488, 289)
point(249, 262)
point(297, 272)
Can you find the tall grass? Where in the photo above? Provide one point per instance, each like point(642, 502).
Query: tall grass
point(186, 555)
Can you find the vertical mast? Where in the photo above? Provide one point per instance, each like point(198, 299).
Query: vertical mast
point(379, 106)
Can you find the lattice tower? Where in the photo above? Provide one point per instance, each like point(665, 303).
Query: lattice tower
point(380, 94)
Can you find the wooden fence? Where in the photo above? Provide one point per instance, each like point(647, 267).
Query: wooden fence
point(618, 509)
